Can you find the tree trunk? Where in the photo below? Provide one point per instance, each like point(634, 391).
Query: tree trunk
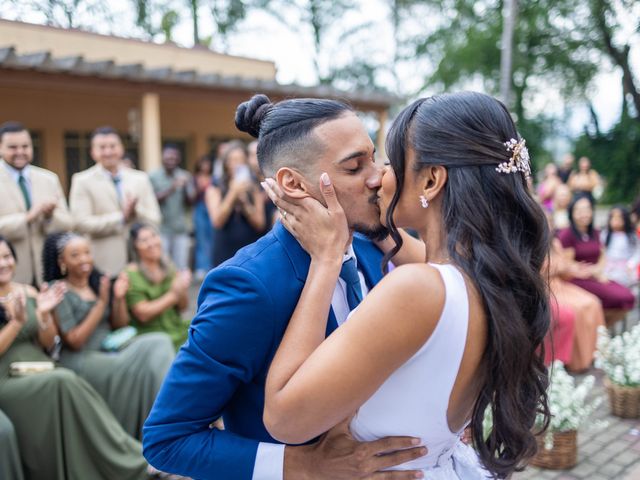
point(194, 16)
point(619, 56)
point(506, 46)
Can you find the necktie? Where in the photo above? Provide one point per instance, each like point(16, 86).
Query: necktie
point(116, 183)
point(349, 273)
point(22, 183)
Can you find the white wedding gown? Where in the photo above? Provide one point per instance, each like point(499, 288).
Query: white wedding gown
point(414, 399)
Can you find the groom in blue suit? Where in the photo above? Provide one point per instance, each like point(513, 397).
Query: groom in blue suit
point(244, 306)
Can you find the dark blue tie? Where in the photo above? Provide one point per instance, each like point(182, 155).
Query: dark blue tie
point(349, 273)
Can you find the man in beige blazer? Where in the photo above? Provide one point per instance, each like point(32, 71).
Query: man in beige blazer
point(32, 203)
point(107, 198)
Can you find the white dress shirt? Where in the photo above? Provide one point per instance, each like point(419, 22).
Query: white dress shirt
point(269, 463)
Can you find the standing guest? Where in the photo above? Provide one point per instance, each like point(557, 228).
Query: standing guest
point(10, 464)
point(585, 253)
point(586, 180)
point(107, 198)
point(91, 308)
point(561, 201)
point(203, 230)
point(548, 185)
point(564, 172)
point(236, 205)
point(33, 203)
point(157, 293)
point(622, 252)
point(174, 191)
point(252, 158)
point(64, 428)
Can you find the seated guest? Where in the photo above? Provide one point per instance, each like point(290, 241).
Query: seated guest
point(621, 243)
point(33, 203)
point(157, 293)
point(585, 253)
point(64, 429)
point(548, 185)
point(558, 344)
point(236, 205)
point(91, 308)
point(10, 465)
point(587, 310)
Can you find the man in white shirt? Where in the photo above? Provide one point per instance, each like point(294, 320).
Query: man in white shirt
point(33, 204)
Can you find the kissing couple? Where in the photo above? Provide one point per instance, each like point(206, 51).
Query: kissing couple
point(323, 367)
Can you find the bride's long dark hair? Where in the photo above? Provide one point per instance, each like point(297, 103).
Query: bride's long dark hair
point(497, 234)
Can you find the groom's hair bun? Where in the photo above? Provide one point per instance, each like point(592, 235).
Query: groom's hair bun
point(250, 114)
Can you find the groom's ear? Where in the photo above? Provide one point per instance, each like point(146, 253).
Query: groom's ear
point(292, 182)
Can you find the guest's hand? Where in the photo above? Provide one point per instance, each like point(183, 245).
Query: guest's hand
point(129, 208)
point(49, 297)
point(15, 307)
point(48, 208)
point(181, 282)
point(322, 231)
point(120, 286)
point(337, 456)
point(104, 289)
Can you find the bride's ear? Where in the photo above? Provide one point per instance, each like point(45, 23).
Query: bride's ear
point(433, 180)
point(292, 183)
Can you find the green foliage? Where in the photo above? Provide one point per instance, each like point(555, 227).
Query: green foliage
point(616, 155)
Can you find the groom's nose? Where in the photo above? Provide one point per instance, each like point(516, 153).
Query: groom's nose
point(374, 180)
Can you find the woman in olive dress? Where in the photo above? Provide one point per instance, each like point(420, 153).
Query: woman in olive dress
point(64, 429)
point(91, 309)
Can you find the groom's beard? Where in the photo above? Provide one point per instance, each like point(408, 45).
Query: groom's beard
point(377, 231)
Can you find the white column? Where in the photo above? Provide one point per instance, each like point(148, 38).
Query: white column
point(151, 140)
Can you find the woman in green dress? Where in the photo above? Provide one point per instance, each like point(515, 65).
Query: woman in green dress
point(64, 429)
point(10, 466)
point(157, 292)
point(91, 309)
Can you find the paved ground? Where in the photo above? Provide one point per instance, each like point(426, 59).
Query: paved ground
point(610, 453)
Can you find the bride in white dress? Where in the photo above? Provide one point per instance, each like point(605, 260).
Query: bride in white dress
point(440, 338)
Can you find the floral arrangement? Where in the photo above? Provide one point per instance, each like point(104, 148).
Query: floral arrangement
point(619, 357)
point(568, 402)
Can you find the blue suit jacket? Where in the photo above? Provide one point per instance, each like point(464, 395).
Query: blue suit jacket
point(244, 306)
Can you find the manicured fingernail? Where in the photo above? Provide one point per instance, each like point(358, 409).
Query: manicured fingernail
point(418, 475)
point(416, 441)
point(325, 179)
point(263, 184)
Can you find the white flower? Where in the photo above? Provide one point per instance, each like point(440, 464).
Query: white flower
point(619, 357)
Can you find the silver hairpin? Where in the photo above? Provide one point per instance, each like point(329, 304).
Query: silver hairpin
point(519, 161)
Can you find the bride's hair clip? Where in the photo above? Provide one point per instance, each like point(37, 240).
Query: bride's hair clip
point(519, 161)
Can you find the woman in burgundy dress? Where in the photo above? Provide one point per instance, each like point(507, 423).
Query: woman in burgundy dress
point(581, 243)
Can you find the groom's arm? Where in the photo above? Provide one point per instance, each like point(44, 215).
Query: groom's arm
point(229, 342)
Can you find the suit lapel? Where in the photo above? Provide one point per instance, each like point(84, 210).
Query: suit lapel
point(106, 185)
point(12, 186)
point(369, 258)
point(300, 261)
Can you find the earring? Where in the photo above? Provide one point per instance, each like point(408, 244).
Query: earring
point(63, 269)
point(423, 201)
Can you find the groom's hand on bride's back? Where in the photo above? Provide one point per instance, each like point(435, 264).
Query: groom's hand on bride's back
point(337, 456)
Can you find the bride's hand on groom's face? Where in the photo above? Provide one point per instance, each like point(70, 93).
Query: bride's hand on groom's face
point(322, 231)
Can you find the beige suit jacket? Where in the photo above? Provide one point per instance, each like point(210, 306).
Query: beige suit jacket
point(97, 212)
point(29, 239)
